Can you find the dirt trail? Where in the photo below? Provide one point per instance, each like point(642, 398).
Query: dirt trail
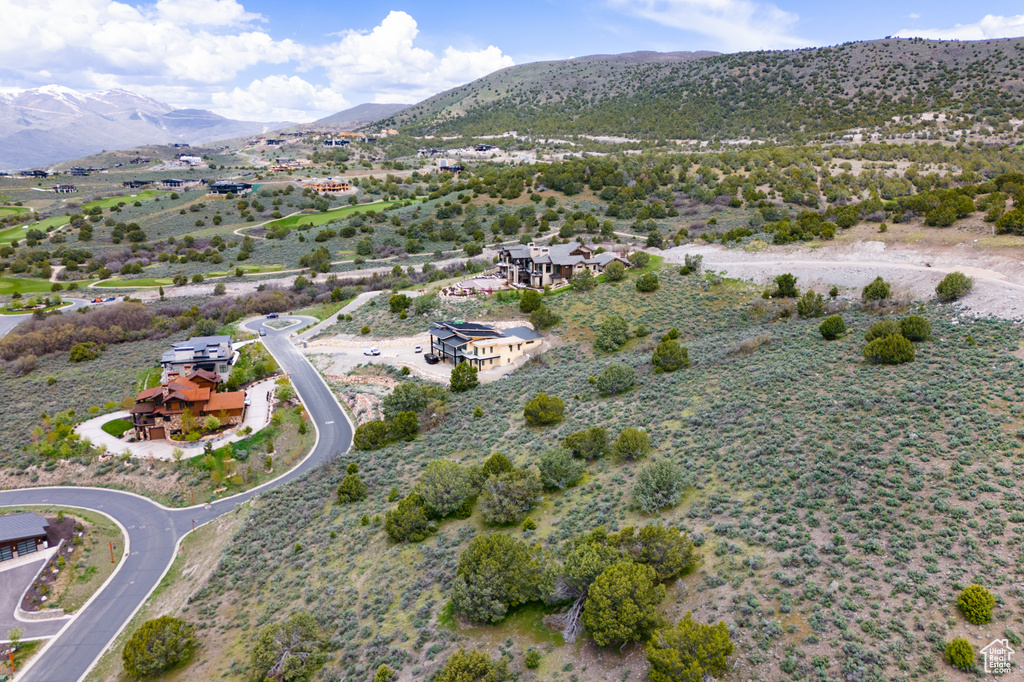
point(910, 269)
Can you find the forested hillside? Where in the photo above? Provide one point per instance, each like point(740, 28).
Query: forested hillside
point(759, 94)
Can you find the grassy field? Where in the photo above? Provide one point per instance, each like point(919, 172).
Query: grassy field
point(12, 210)
point(139, 282)
point(128, 199)
point(23, 285)
point(314, 219)
point(838, 507)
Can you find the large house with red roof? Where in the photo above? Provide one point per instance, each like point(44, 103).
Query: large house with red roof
point(158, 411)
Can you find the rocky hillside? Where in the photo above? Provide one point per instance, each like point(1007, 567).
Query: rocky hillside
point(759, 94)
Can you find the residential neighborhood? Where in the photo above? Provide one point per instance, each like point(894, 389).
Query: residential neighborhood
point(537, 266)
point(481, 345)
point(178, 405)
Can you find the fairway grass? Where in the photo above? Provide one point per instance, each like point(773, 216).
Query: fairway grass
point(315, 219)
point(126, 198)
point(24, 285)
point(130, 283)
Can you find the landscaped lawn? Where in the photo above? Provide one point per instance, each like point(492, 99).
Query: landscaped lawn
point(140, 282)
point(126, 198)
point(117, 427)
point(29, 312)
point(10, 210)
point(315, 219)
point(249, 270)
point(23, 285)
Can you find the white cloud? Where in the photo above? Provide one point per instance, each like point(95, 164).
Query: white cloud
point(990, 26)
point(279, 98)
point(385, 61)
point(157, 41)
point(196, 53)
point(913, 15)
point(204, 12)
point(735, 24)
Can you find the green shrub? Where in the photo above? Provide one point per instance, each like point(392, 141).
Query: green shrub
point(881, 329)
point(614, 272)
point(876, 291)
point(404, 426)
point(810, 304)
point(444, 485)
point(558, 469)
point(496, 464)
point(508, 497)
point(158, 645)
point(408, 521)
point(544, 318)
point(292, 650)
point(544, 410)
point(372, 435)
point(960, 654)
point(530, 301)
point(832, 328)
point(891, 350)
point(648, 282)
point(615, 379)
point(583, 282)
point(612, 333)
point(631, 445)
point(365, 330)
point(464, 377)
point(589, 444)
point(532, 658)
point(352, 489)
point(659, 485)
point(496, 572)
point(83, 352)
point(785, 286)
point(383, 674)
point(915, 328)
point(976, 603)
point(473, 666)
point(639, 259)
point(953, 286)
point(399, 302)
point(689, 651)
point(670, 356)
point(622, 604)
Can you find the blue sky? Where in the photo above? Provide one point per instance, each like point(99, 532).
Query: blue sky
point(300, 60)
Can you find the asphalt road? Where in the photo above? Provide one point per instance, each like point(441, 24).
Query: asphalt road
point(154, 531)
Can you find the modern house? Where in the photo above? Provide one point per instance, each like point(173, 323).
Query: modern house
point(481, 345)
point(21, 535)
point(534, 266)
point(159, 411)
point(178, 183)
point(65, 189)
point(209, 353)
point(329, 185)
point(230, 187)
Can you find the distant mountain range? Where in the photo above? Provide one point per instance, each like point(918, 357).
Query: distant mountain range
point(52, 124)
point(360, 115)
point(701, 95)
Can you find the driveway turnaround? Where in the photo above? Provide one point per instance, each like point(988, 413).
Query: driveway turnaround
point(154, 531)
point(13, 583)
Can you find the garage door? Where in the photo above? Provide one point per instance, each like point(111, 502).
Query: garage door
point(156, 434)
point(6, 554)
point(26, 547)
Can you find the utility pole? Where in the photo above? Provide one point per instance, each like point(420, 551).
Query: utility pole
point(111, 552)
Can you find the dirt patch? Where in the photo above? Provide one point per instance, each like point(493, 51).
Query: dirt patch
point(912, 258)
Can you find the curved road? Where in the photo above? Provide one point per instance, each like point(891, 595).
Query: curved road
point(154, 531)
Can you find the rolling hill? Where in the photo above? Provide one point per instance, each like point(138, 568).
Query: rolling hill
point(360, 115)
point(52, 124)
point(759, 94)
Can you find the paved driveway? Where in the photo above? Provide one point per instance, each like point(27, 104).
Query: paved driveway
point(13, 583)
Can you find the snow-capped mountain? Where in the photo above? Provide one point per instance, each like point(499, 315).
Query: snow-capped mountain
point(53, 123)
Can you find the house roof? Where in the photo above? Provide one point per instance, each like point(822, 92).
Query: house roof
point(203, 374)
point(196, 395)
point(21, 526)
point(150, 393)
point(233, 400)
point(524, 333)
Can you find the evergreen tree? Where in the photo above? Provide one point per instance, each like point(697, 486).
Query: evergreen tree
point(622, 604)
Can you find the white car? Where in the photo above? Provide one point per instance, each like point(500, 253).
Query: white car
point(375, 351)
point(417, 349)
point(367, 350)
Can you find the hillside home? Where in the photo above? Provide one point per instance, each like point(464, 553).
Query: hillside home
point(535, 266)
point(481, 345)
point(158, 411)
point(65, 189)
point(209, 353)
point(329, 185)
point(137, 184)
point(178, 183)
point(230, 187)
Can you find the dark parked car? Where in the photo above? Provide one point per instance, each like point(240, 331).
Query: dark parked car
point(271, 316)
point(431, 359)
